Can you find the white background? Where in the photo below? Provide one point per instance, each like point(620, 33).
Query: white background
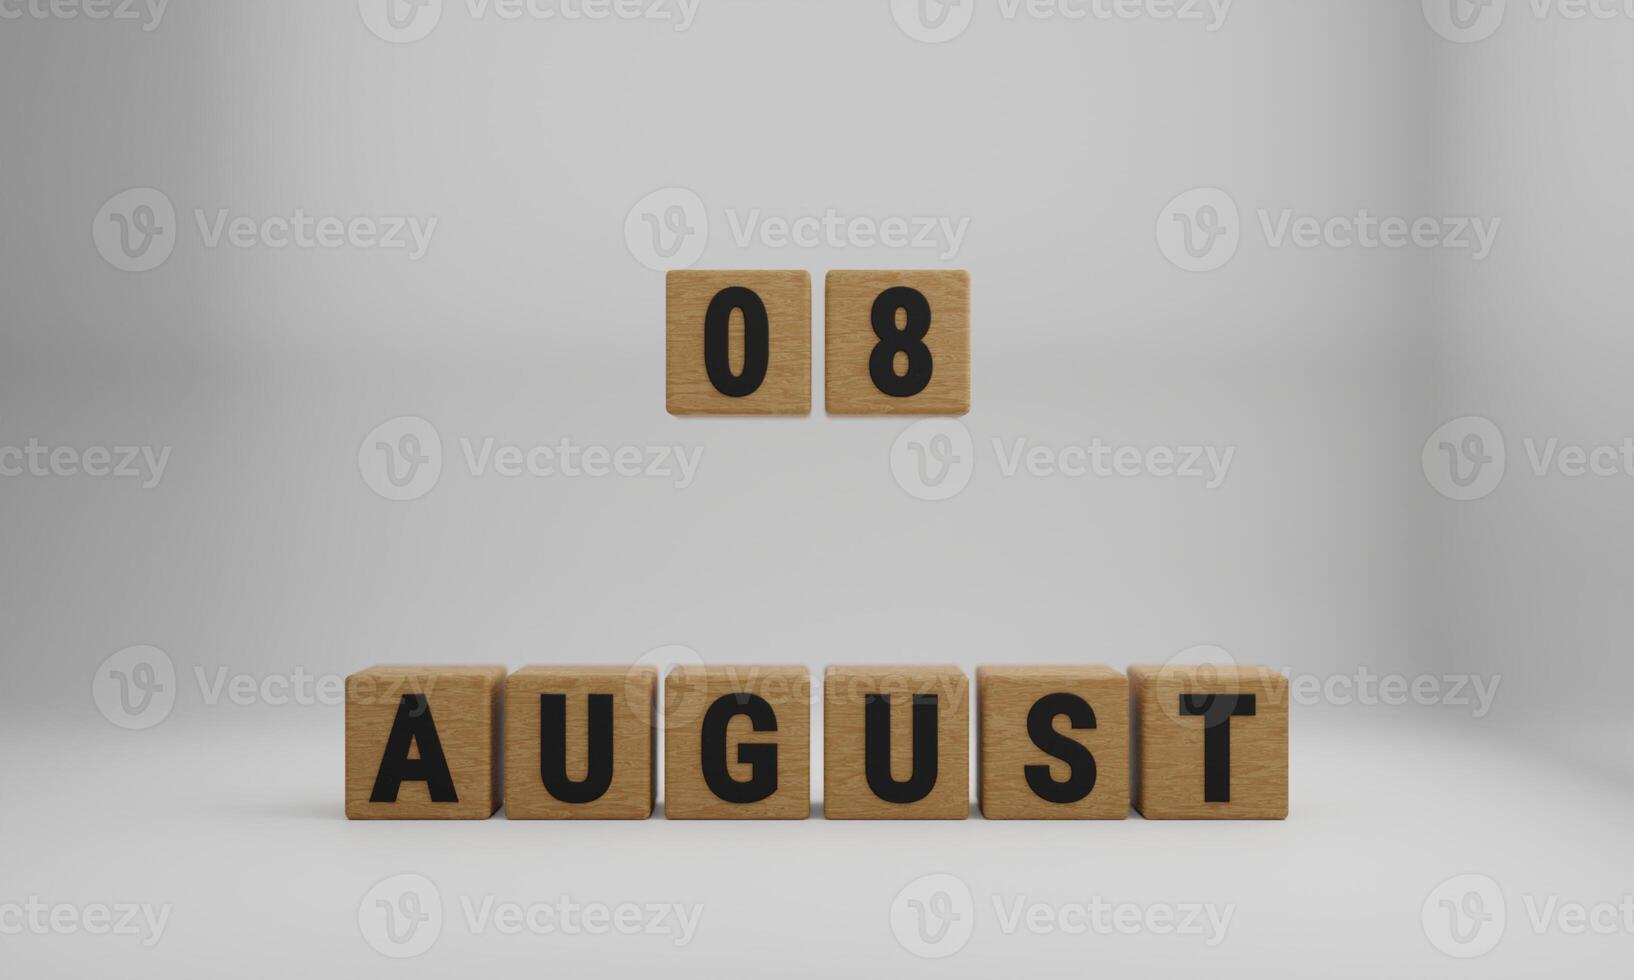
point(1327, 550)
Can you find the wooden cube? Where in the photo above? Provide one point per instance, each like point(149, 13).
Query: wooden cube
point(739, 342)
point(1053, 743)
point(423, 743)
point(580, 743)
point(1210, 742)
point(896, 743)
point(737, 743)
point(897, 342)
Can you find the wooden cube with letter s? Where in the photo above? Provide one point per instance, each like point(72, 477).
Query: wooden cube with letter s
point(423, 743)
point(1053, 743)
point(1210, 742)
point(896, 743)
point(737, 743)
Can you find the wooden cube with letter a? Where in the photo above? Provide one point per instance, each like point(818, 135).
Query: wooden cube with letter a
point(897, 342)
point(896, 743)
point(579, 743)
point(423, 743)
point(739, 343)
point(1053, 743)
point(737, 743)
point(1210, 742)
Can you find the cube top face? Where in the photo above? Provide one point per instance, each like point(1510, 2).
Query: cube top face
point(897, 342)
point(739, 342)
point(1080, 715)
point(896, 743)
point(580, 743)
point(423, 742)
point(737, 743)
point(1211, 742)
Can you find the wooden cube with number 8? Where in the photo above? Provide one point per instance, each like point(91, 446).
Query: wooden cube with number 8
point(739, 342)
point(898, 342)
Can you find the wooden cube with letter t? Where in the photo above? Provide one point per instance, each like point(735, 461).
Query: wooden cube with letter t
point(737, 743)
point(423, 743)
point(739, 343)
point(1053, 743)
point(1210, 742)
point(897, 342)
point(896, 743)
point(579, 743)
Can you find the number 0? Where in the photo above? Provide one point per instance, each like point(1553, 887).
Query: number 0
point(756, 341)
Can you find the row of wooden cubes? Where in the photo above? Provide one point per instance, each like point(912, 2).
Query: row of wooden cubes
point(1067, 742)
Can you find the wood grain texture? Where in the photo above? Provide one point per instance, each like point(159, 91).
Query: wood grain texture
point(1006, 697)
point(1169, 742)
point(465, 705)
point(849, 342)
point(786, 389)
point(846, 791)
point(689, 692)
point(629, 794)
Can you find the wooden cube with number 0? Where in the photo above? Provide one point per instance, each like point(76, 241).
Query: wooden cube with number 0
point(1210, 742)
point(739, 342)
point(897, 342)
point(1052, 743)
point(423, 743)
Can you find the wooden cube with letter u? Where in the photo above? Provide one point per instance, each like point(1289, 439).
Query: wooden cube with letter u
point(580, 743)
point(737, 743)
point(896, 743)
point(897, 342)
point(423, 743)
point(739, 342)
point(1053, 743)
point(1210, 742)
